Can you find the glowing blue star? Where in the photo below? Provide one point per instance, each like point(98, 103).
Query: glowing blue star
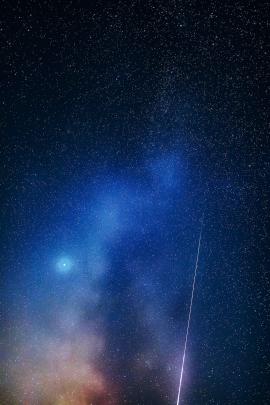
point(64, 265)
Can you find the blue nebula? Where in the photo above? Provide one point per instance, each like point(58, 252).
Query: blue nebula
point(167, 172)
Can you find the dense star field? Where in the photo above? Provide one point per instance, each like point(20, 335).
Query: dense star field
point(121, 124)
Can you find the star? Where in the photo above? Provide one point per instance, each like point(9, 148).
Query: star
point(64, 265)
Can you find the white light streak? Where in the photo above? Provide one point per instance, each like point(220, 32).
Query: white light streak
point(189, 314)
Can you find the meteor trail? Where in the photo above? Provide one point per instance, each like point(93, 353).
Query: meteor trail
point(189, 313)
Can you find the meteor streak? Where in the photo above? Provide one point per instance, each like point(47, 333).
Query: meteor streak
point(189, 313)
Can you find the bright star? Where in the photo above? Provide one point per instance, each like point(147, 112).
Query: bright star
point(64, 265)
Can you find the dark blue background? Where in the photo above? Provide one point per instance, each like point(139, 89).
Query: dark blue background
point(99, 101)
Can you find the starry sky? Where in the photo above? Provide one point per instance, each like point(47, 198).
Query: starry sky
point(121, 123)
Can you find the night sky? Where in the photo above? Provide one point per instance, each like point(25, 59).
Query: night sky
point(121, 123)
